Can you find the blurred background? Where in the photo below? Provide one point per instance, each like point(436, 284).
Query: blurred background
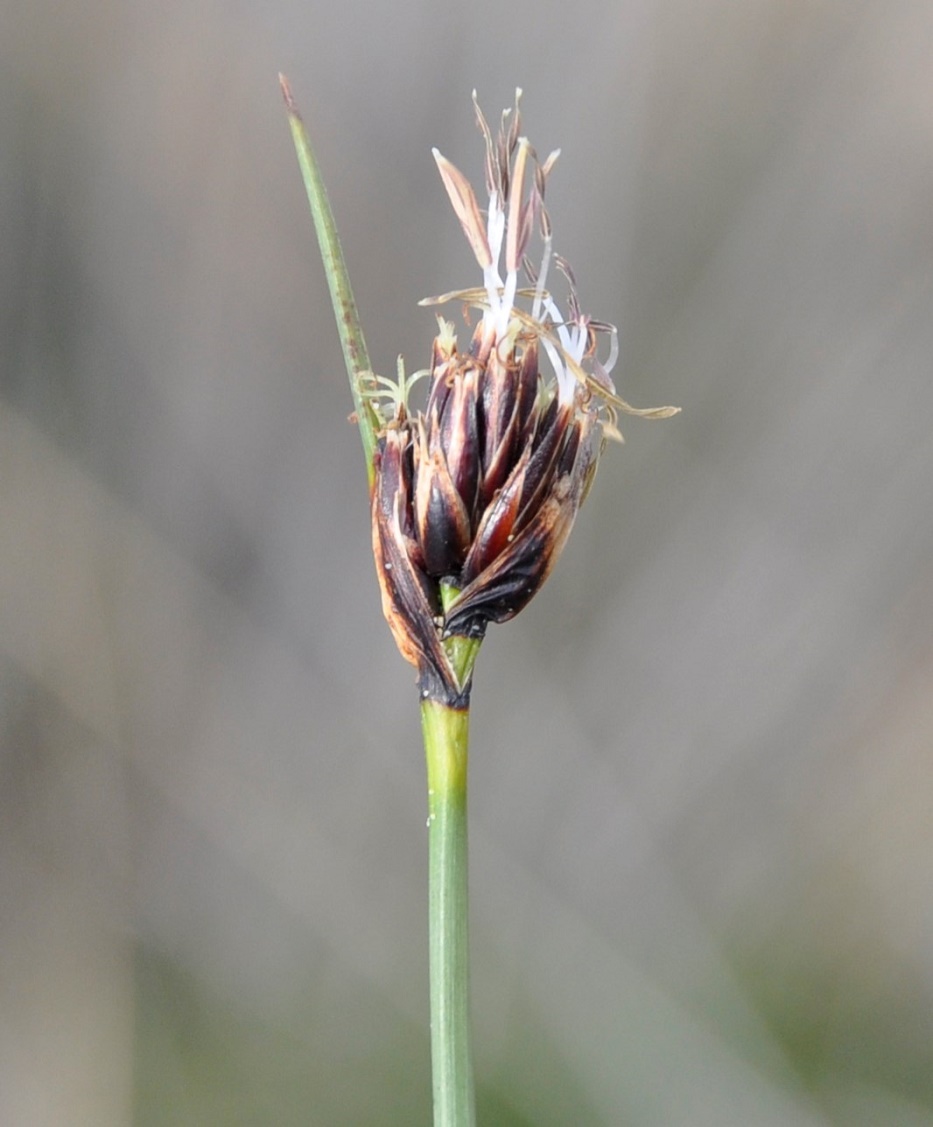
point(702, 781)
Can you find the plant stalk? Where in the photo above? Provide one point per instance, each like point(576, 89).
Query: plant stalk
point(445, 728)
point(446, 739)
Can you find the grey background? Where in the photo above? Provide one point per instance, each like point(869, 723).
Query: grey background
point(702, 786)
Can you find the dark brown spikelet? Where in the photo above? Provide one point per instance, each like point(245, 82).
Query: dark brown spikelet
point(410, 601)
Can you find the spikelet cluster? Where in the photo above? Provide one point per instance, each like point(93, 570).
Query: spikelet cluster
point(476, 494)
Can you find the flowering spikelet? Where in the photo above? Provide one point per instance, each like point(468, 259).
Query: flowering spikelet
point(475, 496)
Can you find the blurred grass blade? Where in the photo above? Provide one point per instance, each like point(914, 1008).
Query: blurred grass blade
point(355, 353)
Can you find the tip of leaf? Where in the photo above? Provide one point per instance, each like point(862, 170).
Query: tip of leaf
point(287, 95)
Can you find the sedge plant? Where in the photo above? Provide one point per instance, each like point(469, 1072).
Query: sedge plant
point(473, 496)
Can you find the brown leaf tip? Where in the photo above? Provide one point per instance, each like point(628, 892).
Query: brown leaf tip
point(287, 96)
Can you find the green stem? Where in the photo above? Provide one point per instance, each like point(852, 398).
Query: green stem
point(446, 741)
point(355, 354)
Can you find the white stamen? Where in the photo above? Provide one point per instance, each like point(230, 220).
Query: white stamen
point(566, 381)
point(495, 228)
point(508, 300)
point(578, 337)
point(542, 280)
point(613, 350)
